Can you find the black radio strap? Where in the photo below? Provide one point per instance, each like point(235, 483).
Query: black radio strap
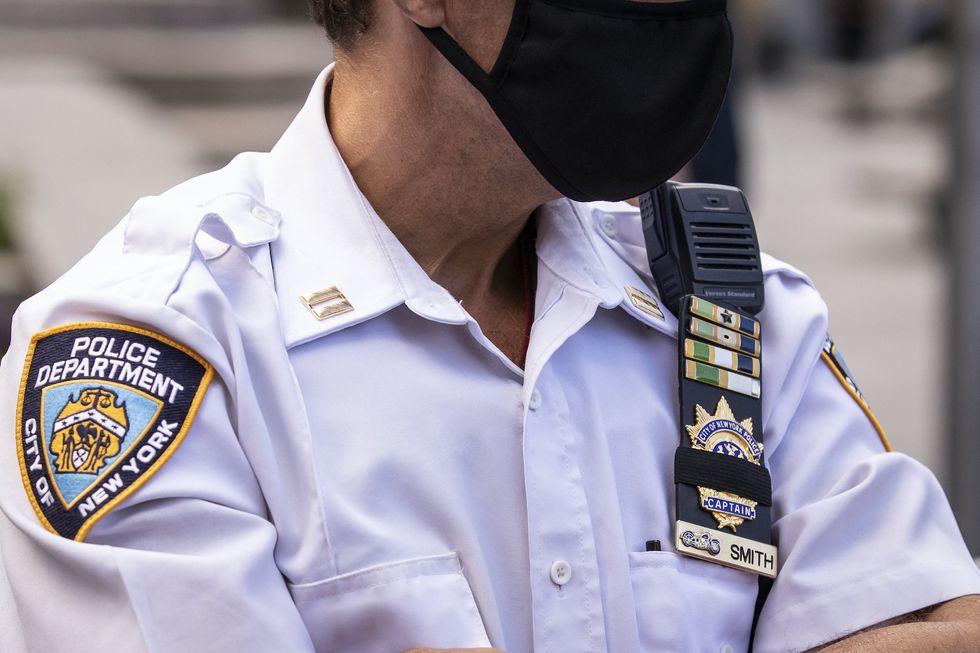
point(724, 492)
point(704, 255)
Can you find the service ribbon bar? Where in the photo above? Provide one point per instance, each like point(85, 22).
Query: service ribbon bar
point(725, 317)
point(719, 378)
point(723, 336)
point(721, 357)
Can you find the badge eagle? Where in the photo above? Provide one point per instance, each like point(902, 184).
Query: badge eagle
point(723, 433)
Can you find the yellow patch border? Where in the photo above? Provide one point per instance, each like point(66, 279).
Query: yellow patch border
point(879, 429)
point(153, 468)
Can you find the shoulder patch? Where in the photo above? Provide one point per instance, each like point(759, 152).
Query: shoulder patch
point(101, 408)
point(833, 358)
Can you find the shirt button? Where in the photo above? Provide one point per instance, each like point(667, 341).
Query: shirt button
point(608, 225)
point(727, 648)
point(534, 402)
point(261, 214)
point(561, 572)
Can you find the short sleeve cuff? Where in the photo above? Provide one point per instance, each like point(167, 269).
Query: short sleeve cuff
point(874, 598)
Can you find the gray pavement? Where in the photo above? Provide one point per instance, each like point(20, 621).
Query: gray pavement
point(850, 207)
point(78, 150)
point(211, 55)
point(126, 12)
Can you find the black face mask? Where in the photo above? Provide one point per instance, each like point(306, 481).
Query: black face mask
point(607, 98)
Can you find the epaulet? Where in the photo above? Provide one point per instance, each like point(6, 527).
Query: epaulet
point(162, 235)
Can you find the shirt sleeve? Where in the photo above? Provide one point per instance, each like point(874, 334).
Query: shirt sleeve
point(864, 535)
point(183, 563)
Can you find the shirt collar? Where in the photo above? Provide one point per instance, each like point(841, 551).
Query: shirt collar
point(619, 226)
point(598, 247)
point(331, 238)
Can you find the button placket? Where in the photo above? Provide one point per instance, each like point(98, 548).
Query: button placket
point(567, 614)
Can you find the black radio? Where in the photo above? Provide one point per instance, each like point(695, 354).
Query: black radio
point(701, 241)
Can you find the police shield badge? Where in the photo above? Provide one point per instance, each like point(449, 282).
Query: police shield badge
point(723, 433)
point(102, 407)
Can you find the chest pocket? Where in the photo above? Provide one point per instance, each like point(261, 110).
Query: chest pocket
point(688, 605)
point(422, 602)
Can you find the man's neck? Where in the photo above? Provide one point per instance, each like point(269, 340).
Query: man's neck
point(457, 198)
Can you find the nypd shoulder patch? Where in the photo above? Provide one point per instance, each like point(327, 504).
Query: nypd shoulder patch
point(835, 361)
point(102, 406)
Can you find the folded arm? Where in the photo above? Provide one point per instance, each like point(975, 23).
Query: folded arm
point(951, 626)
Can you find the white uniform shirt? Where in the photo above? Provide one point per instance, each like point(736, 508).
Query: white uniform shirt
point(387, 478)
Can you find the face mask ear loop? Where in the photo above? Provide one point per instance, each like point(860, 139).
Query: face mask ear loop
point(458, 57)
point(513, 39)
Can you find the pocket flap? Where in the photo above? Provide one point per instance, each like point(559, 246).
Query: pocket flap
point(421, 602)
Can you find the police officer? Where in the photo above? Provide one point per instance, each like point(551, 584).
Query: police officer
point(404, 381)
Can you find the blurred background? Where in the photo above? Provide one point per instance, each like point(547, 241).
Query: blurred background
point(853, 126)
